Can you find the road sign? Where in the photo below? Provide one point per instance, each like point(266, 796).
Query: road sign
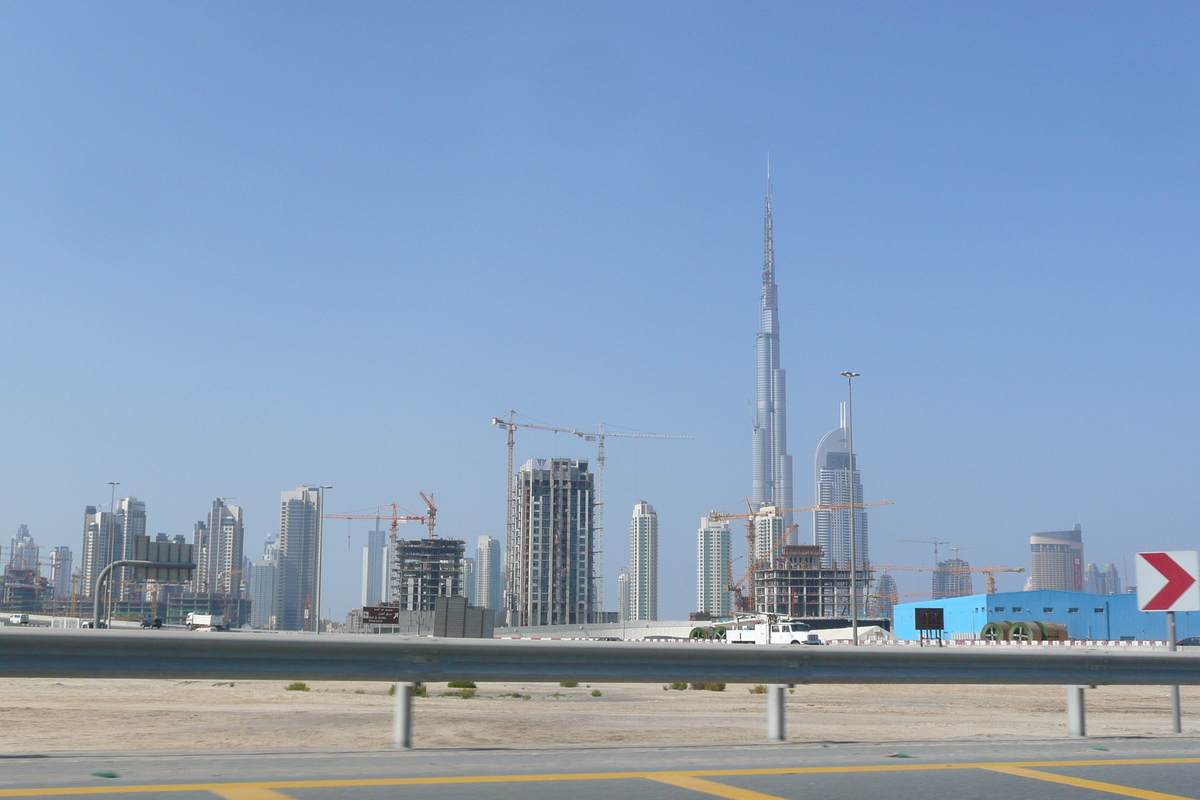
point(1168, 581)
point(381, 615)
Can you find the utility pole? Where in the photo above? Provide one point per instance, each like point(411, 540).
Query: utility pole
point(850, 376)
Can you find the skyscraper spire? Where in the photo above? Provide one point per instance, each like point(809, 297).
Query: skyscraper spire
point(772, 467)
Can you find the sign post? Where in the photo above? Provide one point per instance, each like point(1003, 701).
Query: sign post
point(1169, 582)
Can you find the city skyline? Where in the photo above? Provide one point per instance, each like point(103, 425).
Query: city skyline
point(1000, 237)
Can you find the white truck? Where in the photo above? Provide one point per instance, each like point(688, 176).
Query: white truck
point(774, 632)
point(204, 622)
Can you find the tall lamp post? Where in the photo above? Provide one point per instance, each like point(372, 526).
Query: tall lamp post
point(850, 376)
point(112, 530)
point(320, 550)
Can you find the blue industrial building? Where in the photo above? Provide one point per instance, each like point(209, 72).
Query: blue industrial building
point(1113, 617)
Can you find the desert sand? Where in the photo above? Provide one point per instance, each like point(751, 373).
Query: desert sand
point(43, 716)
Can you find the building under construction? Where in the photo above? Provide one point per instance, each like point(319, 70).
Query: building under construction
point(425, 569)
point(796, 585)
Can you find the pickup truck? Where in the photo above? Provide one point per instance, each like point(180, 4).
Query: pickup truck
point(782, 632)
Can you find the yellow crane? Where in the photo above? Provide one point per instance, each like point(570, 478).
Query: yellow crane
point(989, 571)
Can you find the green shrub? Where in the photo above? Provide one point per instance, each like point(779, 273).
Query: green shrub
point(758, 688)
point(711, 687)
point(466, 692)
point(296, 686)
point(525, 697)
point(360, 691)
point(569, 684)
point(681, 686)
point(461, 685)
point(595, 692)
point(416, 690)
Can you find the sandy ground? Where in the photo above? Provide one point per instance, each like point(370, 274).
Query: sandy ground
point(41, 716)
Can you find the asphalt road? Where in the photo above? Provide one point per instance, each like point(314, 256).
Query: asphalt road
point(1153, 769)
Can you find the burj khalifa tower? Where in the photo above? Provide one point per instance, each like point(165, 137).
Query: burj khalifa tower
point(772, 464)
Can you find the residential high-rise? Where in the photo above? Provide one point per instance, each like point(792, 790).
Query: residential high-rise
point(218, 546)
point(24, 553)
point(128, 523)
point(712, 567)
point(952, 578)
point(550, 566)
point(97, 532)
point(299, 572)
point(643, 562)
point(60, 571)
point(469, 581)
point(1056, 561)
point(376, 567)
point(772, 467)
point(832, 477)
point(1106, 581)
point(769, 528)
point(489, 579)
point(885, 596)
point(263, 576)
point(1112, 579)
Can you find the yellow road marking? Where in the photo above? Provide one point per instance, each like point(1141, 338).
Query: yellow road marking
point(714, 788)
point(1083, 783)
point(582, 776)
point(250, 793)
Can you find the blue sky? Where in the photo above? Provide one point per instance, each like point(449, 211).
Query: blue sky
point(251, 246)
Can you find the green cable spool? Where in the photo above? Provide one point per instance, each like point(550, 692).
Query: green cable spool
point(995, 631)
point(1025, 632)
point(718, 632)
point(699, 633)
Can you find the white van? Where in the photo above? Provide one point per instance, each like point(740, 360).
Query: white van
point(18, 619)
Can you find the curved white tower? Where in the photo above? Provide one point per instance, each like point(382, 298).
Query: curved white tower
point(772, 471)
point(833, 479)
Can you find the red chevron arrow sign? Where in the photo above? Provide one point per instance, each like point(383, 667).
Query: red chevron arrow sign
point(1168, 581)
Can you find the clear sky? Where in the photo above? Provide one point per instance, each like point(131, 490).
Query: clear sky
point(246, 247)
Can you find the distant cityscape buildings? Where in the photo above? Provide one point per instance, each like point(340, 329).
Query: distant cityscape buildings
point(643, 563)
point(60, 571)
point(833, 478)
point(712, 567)
point(24, 553)
point(263, 579)
point(952, 578)
point(550, 569)
point(218, 549)
point(298, 572)
point(1107, 581)
point(1056, 561)
point(470, 585)
point(623, 596)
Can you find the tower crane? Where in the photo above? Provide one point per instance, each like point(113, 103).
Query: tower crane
point(721, 516)
point(598, 436)
point(396, 517)
point(934, 541)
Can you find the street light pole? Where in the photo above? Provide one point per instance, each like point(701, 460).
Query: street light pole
point(320, 551)
point(850, 376)
point(112, 530)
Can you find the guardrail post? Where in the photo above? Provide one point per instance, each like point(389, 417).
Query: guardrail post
point(1076, 724)
point(776, 712)
point(402, 717)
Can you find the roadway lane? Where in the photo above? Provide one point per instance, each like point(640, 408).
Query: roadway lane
point(1151, 769)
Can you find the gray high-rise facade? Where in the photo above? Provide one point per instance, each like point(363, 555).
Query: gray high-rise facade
point(218, 547)
point(489, 578)
point(97, 531)
point(376, 568)
point(643, 563)
point(60, 571)
point(262, 580)
point(1056, 561)
point(299, 571)
point(550, 560)
point(772, 468)
point(24, 553)
point(834, 481)
point(712, 567)
point(127, 524)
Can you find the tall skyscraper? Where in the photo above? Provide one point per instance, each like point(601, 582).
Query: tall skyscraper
point(1112, 579)
point(952, 578)
point(24, 553)
point(376, 568)
point(1056, 560)
point(489, 579)
point(831, 529)
point(299, 552)
point(97, 532)
point(712, 567)
point(885, 596)
point(772, 469)
point(643, 562)
point(262, 582)
point(218, 546)
point(550, 566)
point(469, 581)
point(128, 523)
point(60, 571)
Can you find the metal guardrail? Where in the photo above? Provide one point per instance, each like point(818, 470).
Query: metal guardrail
point(57, 653)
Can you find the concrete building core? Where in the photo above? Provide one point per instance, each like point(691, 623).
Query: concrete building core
point(796, 585)
point(426, 569)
